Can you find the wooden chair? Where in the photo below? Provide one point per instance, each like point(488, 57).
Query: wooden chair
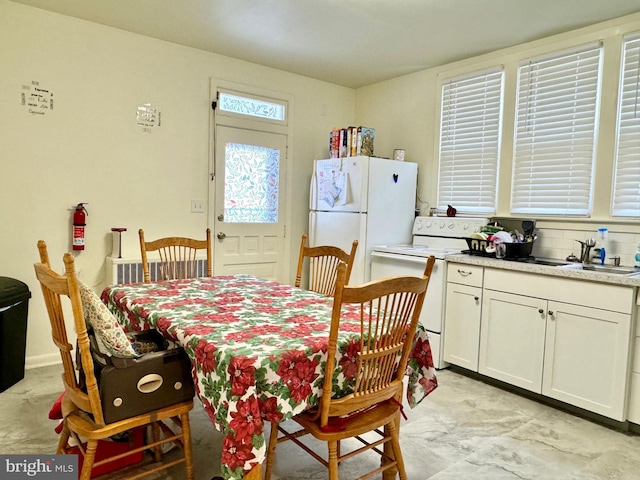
point(81, 408)
point(389, 311)
point(177, 256)
point(323, 265)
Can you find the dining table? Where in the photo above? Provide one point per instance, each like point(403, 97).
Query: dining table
point(257, 350)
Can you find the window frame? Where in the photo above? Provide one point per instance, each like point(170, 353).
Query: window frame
point(627, 177)
point(258, 98)
point(537, 156)
point(469, 145)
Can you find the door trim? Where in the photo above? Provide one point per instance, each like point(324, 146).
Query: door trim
point(257, 125)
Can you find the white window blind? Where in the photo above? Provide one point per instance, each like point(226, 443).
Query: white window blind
point(470, 142)
point(626, 187)
point(555, 134)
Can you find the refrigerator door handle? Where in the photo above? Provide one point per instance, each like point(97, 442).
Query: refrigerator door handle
point(313, 193)
point(312, 228)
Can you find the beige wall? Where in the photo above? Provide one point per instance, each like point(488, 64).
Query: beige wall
point(405, 113)
point(89, 149)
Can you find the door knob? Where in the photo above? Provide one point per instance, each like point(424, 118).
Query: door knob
point(221, 217)
point(221, 236)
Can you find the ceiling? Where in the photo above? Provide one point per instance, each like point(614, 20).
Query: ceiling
point(352, 43)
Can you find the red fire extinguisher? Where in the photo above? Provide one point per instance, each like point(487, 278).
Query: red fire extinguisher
point(78, 226)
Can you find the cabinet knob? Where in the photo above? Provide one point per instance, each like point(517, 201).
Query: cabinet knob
point(540, 310)
point(551, 313)
point(476, 298)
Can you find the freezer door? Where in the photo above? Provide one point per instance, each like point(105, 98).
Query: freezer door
point(392, 201)
point(340, 185)
point(341, 229)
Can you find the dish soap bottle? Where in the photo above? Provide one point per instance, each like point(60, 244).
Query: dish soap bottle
point(637, 256)
point(603, 233)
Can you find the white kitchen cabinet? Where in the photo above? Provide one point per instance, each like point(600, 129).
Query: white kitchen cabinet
point(586, 358)
point(462, 315)
point(512, 339)
point(566, 339)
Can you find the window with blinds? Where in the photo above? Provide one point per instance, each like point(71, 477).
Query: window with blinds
point(626, 179)
point(470, 125)
point(555, 133)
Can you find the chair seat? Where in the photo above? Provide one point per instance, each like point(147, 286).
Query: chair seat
point(359, 424)
point(85, 426)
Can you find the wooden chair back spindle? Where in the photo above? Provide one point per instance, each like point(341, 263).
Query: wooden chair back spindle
point(323, 265)
point(178, 256)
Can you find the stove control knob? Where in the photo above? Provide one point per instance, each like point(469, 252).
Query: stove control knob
point(418, 225)
point(465, 226)
point(451, 225)
point(429, 224)
point(441, 225)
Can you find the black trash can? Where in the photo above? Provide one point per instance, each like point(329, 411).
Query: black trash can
point(14, 306)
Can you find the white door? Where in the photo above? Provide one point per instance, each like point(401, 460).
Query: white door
point(249, 211)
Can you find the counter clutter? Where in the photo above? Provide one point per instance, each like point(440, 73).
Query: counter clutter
point(493, 241)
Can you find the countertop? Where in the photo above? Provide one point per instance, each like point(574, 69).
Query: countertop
point(632, 280)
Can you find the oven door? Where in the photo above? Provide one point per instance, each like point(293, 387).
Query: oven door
point(390, 265)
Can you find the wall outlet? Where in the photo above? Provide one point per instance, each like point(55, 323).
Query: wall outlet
point(197, 206)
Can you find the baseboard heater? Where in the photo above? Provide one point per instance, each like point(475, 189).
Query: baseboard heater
point(123, 270)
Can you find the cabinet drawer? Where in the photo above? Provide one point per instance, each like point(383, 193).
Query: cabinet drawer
point(577, 292)
point(465, 274)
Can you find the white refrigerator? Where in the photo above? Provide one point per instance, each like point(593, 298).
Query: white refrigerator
point(368, 199)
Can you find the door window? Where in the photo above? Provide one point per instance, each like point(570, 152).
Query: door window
point(251, 183)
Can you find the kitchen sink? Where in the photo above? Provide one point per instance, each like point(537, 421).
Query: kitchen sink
point(592, 267)
point(610, 269)
point(552, 262)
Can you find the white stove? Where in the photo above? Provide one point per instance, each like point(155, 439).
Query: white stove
point(437, 236)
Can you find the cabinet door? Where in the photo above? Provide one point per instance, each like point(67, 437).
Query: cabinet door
point(462, 325)
point(512, 339)
point(586, 356)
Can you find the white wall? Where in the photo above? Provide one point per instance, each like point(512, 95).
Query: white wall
point(405, 113)
point(89, 148)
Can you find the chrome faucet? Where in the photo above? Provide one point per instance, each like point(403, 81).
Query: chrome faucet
point(585, 249)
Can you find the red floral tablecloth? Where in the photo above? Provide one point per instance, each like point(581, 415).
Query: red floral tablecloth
point(257, 348)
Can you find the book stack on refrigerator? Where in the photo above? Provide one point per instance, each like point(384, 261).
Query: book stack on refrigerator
point(351, 142)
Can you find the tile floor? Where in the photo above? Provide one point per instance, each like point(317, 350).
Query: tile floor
point(465, 430)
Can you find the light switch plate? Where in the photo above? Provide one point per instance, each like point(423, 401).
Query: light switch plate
point(197, 205)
